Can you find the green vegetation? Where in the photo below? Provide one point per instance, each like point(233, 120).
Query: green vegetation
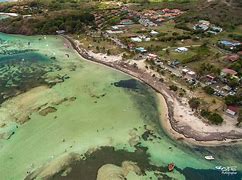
point(88, 21)
point(237, 37)
point(214, 118)
point(194, 103)
point(233, 100)
point(237, 66)
point(173, 88)
point(207, 68)
point(209, 90)
point(48, 17)
point(225, 15)
point(239, 117)
point(70, 21)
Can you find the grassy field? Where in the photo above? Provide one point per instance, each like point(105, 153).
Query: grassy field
point(98, 44)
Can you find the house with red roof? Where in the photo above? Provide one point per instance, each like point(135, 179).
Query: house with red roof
point(227, 71)
point(232, 57)
point(232, 110)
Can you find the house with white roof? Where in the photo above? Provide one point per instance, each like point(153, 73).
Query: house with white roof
point(136, 39)
point(154, 33)
point(181, 49)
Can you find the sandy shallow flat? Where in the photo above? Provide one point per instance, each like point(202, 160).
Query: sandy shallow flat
point(93, 107)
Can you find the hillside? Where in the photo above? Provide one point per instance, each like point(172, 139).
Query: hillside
point(226, 13)
point(45, 17)
point(76, 16)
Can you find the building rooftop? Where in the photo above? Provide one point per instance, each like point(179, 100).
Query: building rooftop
point(232, 57)
point(229, 71)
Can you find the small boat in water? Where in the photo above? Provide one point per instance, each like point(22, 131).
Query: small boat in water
point(171, 167)
point(209, 157)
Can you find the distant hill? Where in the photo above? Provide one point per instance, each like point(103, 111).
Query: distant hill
point(235, 3)
point(226, 13)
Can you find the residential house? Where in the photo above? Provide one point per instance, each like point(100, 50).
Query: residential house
point(204, 22)
point(141, 50)
point(232, 57)
point(212, 32)
point(126, 22)
point(181, 49)
point(151, 56)
point(216, 29)
point(174, 63)
point(160, 20)
point(154, 33)
point(140, 38)
point(131, 46)
point(227, 88)
point(227, 71)
point(200, 27)
point(232, 110)
point(146, 22)
point(60, 32)
point(114, 32)
point(118, 27)
point(136, 39)
point(185, 71)
point(144, 38)
point(231, 45)
point(192, 74)
point(210, 78)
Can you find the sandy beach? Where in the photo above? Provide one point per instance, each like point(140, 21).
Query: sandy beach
point(178, 119)
point(47, 122)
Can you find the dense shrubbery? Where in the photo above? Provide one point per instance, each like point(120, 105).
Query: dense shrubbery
point(233, 100)
point(49, 16)
point(182, 26)
point(237, 37)
point(194, 103)
point(70, 21)
point(173, 88)
point(214, 118)
point(237, 66)
point(209, 90)
point(207, 68)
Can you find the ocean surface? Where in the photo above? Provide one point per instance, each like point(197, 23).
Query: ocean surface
point(53, 103)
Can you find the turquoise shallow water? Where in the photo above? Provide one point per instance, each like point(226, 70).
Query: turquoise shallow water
point(95, 106)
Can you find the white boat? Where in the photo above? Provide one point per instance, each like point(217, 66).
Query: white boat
point(209, 157)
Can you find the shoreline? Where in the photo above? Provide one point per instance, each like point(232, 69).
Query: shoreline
point(167, 100)
point(173, 134)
